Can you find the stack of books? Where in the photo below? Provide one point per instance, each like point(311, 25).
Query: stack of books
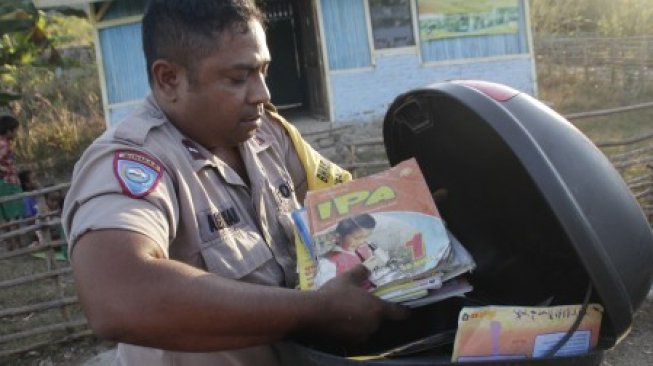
point(389, 222)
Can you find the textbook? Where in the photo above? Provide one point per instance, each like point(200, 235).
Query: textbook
point(389, 222)
point(492, 333)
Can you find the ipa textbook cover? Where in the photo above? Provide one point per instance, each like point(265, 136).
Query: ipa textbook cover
point(389, 222)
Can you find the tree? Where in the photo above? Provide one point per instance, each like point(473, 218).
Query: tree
point(24, 41)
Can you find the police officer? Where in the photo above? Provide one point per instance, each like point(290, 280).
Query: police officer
point(174, 216)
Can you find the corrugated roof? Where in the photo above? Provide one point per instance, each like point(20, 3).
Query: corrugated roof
point(42, 4)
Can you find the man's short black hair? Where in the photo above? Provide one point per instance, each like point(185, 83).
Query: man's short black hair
point(351, 224)
point(7, 123)
point(184, 31)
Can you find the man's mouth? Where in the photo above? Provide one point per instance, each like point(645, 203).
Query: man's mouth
point(251, 119)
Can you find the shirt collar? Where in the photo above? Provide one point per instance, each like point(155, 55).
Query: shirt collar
point(200, 157)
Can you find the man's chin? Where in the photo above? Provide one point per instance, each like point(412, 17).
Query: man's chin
point(246, 135)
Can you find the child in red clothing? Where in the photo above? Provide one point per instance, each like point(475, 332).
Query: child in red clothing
point(351, 248)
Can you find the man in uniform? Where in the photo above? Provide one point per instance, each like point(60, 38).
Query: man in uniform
point(175, 216)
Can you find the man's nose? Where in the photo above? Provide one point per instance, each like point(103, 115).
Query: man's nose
point(259, 92)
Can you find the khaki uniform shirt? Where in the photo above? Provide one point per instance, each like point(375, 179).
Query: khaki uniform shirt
point(145, 176)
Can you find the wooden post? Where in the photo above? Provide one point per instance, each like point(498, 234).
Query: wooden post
point(586, 63)
point(643, 59)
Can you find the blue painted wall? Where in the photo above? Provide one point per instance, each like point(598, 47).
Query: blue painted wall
point(363, 86)
point(474, 47)
point(124, 63)
point(122, 60)
point(347, 39)
point(365, 95)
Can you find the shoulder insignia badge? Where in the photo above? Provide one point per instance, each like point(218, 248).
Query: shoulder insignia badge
point(137, 173)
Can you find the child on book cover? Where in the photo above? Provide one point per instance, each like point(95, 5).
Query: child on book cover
point(351, 248)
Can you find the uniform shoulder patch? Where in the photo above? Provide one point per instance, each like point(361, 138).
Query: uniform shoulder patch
point(138, 173)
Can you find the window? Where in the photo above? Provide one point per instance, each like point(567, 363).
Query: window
point(465, 29)
point(392, 24)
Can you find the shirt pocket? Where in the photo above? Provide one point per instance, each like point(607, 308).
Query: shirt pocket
point(236, 253)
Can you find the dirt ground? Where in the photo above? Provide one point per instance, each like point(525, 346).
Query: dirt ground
point(635, 350)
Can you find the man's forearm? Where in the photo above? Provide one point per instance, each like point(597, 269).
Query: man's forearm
point(167, 304)
point(132, 294)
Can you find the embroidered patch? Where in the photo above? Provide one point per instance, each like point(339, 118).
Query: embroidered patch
point(137, 173)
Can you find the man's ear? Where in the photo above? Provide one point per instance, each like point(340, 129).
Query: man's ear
point(167, 78)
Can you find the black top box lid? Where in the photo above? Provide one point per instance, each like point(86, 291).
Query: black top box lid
point(541, 209)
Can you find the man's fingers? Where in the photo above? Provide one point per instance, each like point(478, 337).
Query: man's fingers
point(390, 310)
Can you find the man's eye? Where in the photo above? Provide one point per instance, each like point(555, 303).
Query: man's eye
point(238, 81)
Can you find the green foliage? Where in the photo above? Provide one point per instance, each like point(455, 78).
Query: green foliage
point(68, 31)
point(56, 99)
point(28, 37)
point(24, 40)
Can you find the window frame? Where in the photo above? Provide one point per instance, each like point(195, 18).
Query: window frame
point(404, 50)
point(416, 48)
point(528, 36)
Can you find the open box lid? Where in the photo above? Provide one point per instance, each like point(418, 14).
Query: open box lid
point(540, 208)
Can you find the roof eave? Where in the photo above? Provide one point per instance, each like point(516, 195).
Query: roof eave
point(44, 4)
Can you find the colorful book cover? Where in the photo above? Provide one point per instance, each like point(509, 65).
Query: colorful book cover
point(518, 332)
point(387, 221)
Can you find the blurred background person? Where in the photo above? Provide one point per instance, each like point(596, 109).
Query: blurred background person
point(29, 183)
point(9, 181)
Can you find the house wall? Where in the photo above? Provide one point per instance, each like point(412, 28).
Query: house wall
point(364, 95)
point(363, 81)
point(124, 63)
point(121, 61)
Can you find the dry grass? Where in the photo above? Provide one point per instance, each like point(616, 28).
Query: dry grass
point(34, 293)
point(60, 116)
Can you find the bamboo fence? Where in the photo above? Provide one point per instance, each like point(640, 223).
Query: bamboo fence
point(622, 60)
point(632, 157)
point(39, 306)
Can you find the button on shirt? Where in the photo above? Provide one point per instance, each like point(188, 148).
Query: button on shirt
point(145, 176)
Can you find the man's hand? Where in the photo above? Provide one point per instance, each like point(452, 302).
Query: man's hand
point(171, 305)
point(350, 312)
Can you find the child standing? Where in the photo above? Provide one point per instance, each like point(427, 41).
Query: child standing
point(28, 183)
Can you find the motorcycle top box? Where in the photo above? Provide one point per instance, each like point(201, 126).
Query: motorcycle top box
point(542, 211)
